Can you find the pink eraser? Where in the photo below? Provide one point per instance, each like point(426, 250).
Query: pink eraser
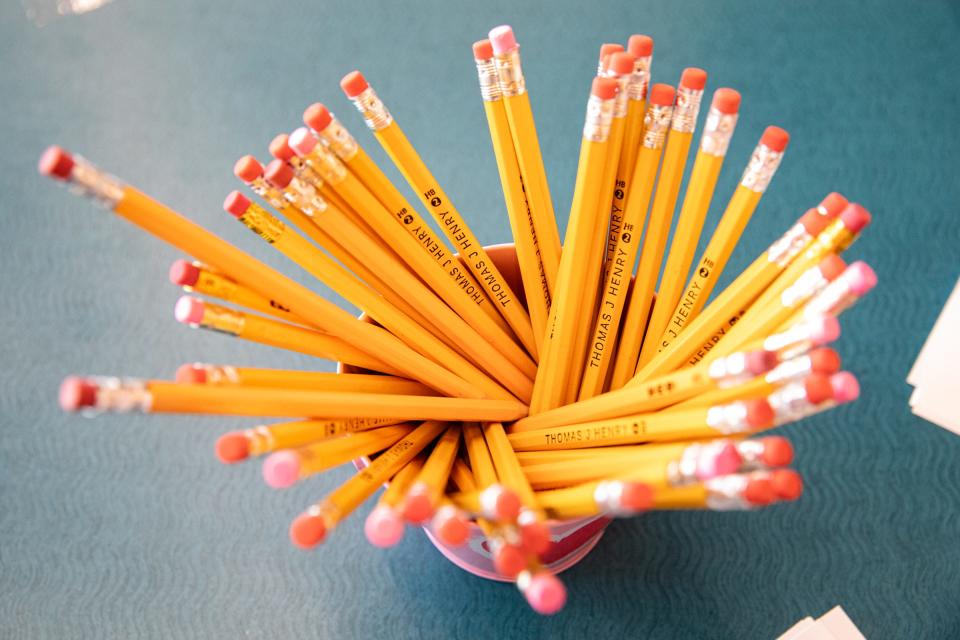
point(56, 163)
point(833, 205)
point(383, 527)
point(236, 204)
point(281, 469)
point(77, 393)
point(280, 149)
point(604, 88)
point(726, 459)
point(232, 447)
point(451, 527)
point(759, 413)
point(845, 387)
point(417, 506)
point(824, 329)
point(855, 217)
point(787, 484)
point(824, 360)
point(482, 50)
point(546, 594)
point(817, 387)
point(502, 39)
point(661, 95)
point(353, 84)
point(832, 266)
point(777, 451)
point(508, 560)
point(693, 78)
point(636, 496)
point(279, 174)
point(726, 100)
point(302, 141)
point(860, 277)
point(248, 169)
point(640, 46)
point(308, 530)
point(775, 139)
point(621, 63)
point(317, 117)
point(183, 273)
point(190, 374)
point(189, 310)
point(759, 362)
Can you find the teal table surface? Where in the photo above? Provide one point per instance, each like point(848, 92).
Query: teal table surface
point(127, 527)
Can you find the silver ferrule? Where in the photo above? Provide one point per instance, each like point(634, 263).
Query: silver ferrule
point(640, 79)
point(810, 283)
point(799, 334)
point(86, 179)
point(833, 300)
point(656, 123)
point(620, 102)
point(265, 190)
point(717, 131)
point(790, 403)
point(596, 127)
point(759, 172)
point(751, 452)
point(327, 165)
point(608, 496)
point(725, 493)
point(219, 374)
point(489, 80)
point(523, 580)
point(729, 418)
point(791, 370)
point(685, 470)
point(510, 74)
point(730, 370)
point(687, 109)
point(303, 196)
point(789, 245)
point(340, 140)
point(374, 112)
point(120, 395)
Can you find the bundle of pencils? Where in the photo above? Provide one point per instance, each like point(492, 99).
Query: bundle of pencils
point(573, 391)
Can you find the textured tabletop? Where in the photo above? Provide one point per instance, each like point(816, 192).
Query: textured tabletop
point(127, 527)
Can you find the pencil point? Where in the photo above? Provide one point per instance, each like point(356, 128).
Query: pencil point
point(280, 148)
point(302, 141)
point(308, 530)
point(189, 310)
point(232, 447)
point(281, 470)
point(183, 273)
point(56, 163)
point(77, 393)
point(383, 527)
point(353, 84)
point(248, 169)
point(502, 39)
point(236, 204)
point(775, 138)
point(317, 117)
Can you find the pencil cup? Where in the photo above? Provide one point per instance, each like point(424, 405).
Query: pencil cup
point(572, 539)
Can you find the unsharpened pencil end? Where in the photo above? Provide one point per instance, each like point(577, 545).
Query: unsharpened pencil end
point(184, 273)
point(661, 95)
point(855, 217)
point(279, 174)
point(546, 594)
point(317, 116)
point(604, 88)
point(302, 141)
point(775, 138)
point(824, 330)
point(188, 310)
point(451, 527)
point(248, 169)
point(693, 78)
point(383, 527)
point(190, 374)
point(281, 469)
point(535, 536)
point(77, 393)
point(777, 451)
point(417, 506)
point(787, 484)
point(759, 413)
point(833, 205)
point(56, 163)
point(824, 360)
point(308, 530)
point(621, 63)
point(482, 50)
point(502, 39)
point(280, 148)
point(726, 100)
point(726, 460)
point(759, 492)
point(353, 84)
point(640, 45)
point(236, 204)
point(636, 496)
point(509, 560)
point(845, 387)
point(818, 388)
point(759, 362)
point(861, 278)
point(232, 447)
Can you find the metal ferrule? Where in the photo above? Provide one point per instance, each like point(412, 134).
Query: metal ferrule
point(222, 319)
point(833, 300)
point(640, 79)
point(726, 493)
point(260, 438)
point(796, 336)
point(789, 245)
point(728, 418)
point(374, 112)
point(218, 374)
point(793, 369)
point(620, 103)
point(86, 179)
point(265, 190)
point(263, 223)
point(340, 140)
point(656, 123)
point(790, 403)
point(684, 471)
point(596, 127)
point(759, 172)
point(120, 395)
point(730, 370)
point(751, 451)
point(213, 284)
point(686, 111)
point(329, 511)
point(303, 196)
point(524, 579)
point(608, 496)
point(327, 165)
point(810, 283)
point(489, 80)
point(717, 131)
point(510, 74)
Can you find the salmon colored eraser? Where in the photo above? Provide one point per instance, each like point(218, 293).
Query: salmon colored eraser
point(693, 78)
point(281, 469)
point(189, 310)
point(845, 387)
point(308, 530)
point(302, 141)
point(824, 360)
point(183, 273)
point(759, 492)
point(817, 387)
point(280, 149)
point(759, 413)
point(609, 48)
point(190, 374)
point(353, 84)
point(236, 204)
point(502, 39)
point(56, 163)
point(604, 88)
point(503, 503)
point(279, 174)
point(855, 217)
point(831, 266)
point(451, 527)
point(726, 100)
point(417, 506)
point(759, 362)
point(535, 537)
point(383, 527)
point(662, 95)
point(814, 222)
point(621, 63)
point(640, 46)
point(861, 278)
point(775, 138)
point(77, 393)
point(777, 451)
point(232, 447)
point(546, 594)
point(833, 204)
point(636, 496)
point(248, 169)
point(482, 50)
point(786, 483)
point(824, 329)
point(317, 117)
point(509, 560)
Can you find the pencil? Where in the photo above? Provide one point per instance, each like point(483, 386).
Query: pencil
point(202, 373)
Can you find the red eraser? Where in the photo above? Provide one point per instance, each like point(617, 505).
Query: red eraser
point(451, 527)
point(546, 594)
point(855, 217)
point(759, 362)
point(861, 278)
point(248, 169)
point(833, 205)
point(189, 310)
point(609, 48)
point(621, 63)
point(77, 393)
point(279, 174)
point(775, 138)
point(636, 496)
point(317, 117)
point(759, 413)
point(759, 492)
point(482, 50)
point(832, 266)
point(726, 460)
point(417, 506)
point(787, 484)
point(280, 149)
point(726, 100)
point(845, 387)
point(183, 273)
point(818, 388)
point(777, 451)
point(353, 84)
point(506, 504)
point(236, 204)
point(604, 88)
point(814, 222)
point(824, 360)
point(232, 447)
point(693, 78)
point(56, 163)
point(509, 560)
point(535, 537)
point(502, 39)
point(661, 95)
point(308, 530)
point(640, 46)
point(190, 374)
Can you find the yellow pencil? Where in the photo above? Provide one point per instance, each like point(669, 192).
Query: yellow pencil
point(424, 494)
